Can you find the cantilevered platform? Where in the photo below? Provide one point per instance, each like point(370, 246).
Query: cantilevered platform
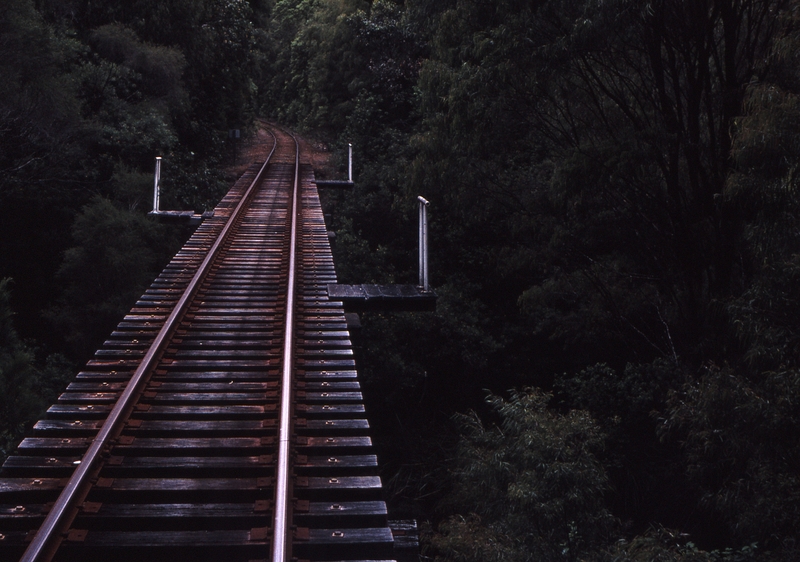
point(335, 183)
point(363, 298)
point(185, 217)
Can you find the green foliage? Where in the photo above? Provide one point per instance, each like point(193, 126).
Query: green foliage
point(533, 485)
point(316, 76)
point(132, 92)
point(602, 307)
point(614, 198)
point(629, 404)
point(160, 68)
point(92, 92)
point(221, 55)
point(580, 103)
point(39, 119)
point(117, 255)
point(764, 192)
point(659, 544)
point(17, 398)
point(629, 397)
point(25, 385)
point(763, 317)
point(190, 182)
point(468, 539)
point(739, 438)
point(52, 377)
point(364, 264)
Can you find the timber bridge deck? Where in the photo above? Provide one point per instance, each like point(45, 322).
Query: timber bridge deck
point(222, 419)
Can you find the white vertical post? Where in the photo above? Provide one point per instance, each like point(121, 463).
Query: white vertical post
point(350, 163)
point(157, 186)
point(423, 243)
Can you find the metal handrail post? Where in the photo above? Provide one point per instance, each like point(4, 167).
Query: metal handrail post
point(157, 186)
point(423, 243)
point(350, 162)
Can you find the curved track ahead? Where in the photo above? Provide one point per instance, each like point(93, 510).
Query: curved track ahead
point(222, 419)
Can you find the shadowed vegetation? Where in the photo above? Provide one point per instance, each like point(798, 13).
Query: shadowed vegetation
point(613, 235)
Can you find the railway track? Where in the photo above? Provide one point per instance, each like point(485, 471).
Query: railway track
point(222, 419)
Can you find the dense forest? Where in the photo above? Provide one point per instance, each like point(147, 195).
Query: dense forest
point(613, 369)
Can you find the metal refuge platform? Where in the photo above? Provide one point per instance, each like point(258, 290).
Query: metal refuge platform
point(365, 297)
point(185, 217)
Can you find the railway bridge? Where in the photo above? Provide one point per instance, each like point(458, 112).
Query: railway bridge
point(222, 419)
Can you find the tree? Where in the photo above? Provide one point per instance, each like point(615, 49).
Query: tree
point(741, 450)
point(763, 190)
point(39, 120)
point(17, 395)
point(532, 487)
point(117, 254)
point(602, 129)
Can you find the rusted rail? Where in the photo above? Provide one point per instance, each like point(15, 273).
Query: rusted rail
point(222, 419)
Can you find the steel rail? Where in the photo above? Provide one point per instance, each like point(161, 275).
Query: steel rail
point(44, 544)
point(280, 529)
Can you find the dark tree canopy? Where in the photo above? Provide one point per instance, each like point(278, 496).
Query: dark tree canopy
point(613, 235)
